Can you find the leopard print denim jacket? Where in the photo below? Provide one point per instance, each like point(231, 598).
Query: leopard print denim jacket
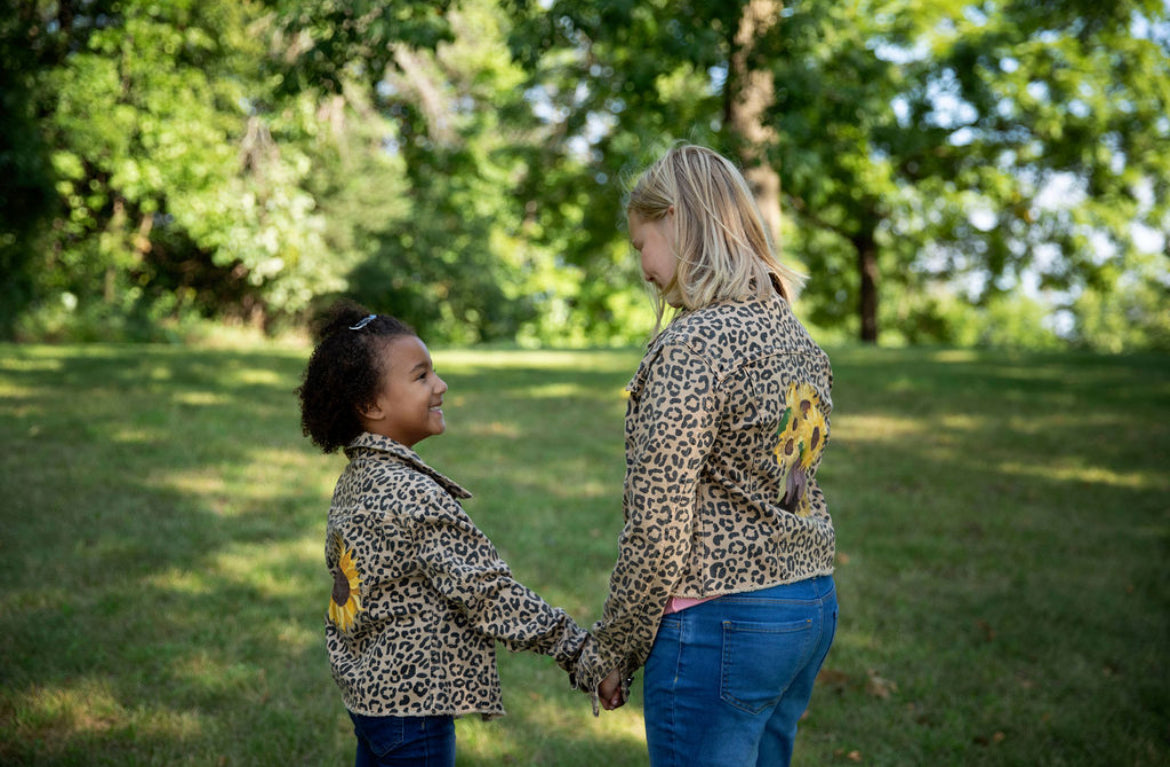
point(420, 595)
point(727, 418)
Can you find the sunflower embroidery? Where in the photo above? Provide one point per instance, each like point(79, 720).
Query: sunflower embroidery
point(800, 441)
point(345, 603)
point(813, 433)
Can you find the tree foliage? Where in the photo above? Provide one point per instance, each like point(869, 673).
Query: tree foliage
point(1057, 140)
point(916, 144)
point(179, 144)
point(170, 190)
point(26, 179)
point(463, 163)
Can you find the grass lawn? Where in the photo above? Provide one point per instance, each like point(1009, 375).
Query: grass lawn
point(1003, 524)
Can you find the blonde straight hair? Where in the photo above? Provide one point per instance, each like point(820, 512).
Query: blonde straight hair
point(724, 250)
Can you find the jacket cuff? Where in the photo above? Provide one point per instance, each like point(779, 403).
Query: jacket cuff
point(591, 670)
point(568, 650)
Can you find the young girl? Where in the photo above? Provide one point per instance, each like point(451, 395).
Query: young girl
point(723, 586)
point(419, 594)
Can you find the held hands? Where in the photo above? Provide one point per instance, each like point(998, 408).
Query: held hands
point(610, 692)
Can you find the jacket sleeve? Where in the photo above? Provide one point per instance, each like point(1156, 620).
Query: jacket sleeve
point(463, 565)
point(671, 428)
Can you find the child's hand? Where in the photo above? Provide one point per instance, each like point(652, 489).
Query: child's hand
point(610, 692)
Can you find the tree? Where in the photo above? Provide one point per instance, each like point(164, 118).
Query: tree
point(1067, 98)
point(26, 179)
point(749, 94)
point(170, 194)
point(456, 261)
point(463, 255)
point(739, 76)
point(163, 153)
point(916, 143)
point(236, 159)
point(323, 45)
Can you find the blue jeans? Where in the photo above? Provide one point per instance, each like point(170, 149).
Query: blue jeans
point(404, 741)
point(727, 680)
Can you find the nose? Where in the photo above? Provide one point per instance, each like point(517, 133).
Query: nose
point(441, 388)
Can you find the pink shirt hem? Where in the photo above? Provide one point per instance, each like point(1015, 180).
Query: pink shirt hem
point(677, 604)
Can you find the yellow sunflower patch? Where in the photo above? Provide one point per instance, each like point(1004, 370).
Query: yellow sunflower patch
point(345, 602)
point(800, 441)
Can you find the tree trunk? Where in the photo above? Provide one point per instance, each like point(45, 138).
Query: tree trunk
point(747, 96)
point(867, 268)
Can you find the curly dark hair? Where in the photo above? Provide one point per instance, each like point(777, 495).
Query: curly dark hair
point(343, 374)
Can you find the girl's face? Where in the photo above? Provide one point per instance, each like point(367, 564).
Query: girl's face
point(654, 241)
point(408, 408)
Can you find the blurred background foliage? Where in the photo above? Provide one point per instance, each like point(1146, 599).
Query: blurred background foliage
point(945, 171)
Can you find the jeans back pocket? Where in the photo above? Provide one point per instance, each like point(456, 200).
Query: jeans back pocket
point(760, 660)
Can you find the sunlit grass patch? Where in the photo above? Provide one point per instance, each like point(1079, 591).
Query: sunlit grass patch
point(252, 485)
point(186, 582)
point(208, 675)
point(617, 361)
point(955, 356)
point(491, 428)
point(36, 360)
point(876, 428)
point(1078, 471)
point(260, 376)
point(16, 391)
point(269, 571)
point(87, 711)
point(558, 391)
point(544, 726)
point(200, 398)
point(86, 705)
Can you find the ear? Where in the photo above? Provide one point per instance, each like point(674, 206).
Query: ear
point(371, 411)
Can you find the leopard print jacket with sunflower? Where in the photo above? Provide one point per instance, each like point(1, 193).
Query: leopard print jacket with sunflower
point(727, 419)
point(420, 595)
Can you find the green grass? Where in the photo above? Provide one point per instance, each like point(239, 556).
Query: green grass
point(1003, 525)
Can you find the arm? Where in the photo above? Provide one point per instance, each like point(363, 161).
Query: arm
point(463, 565)
point(671, 429)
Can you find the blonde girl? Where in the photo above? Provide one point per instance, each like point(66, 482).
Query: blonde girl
point(723, 586)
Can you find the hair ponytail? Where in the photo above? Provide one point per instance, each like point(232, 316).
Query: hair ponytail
point(344, 372)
